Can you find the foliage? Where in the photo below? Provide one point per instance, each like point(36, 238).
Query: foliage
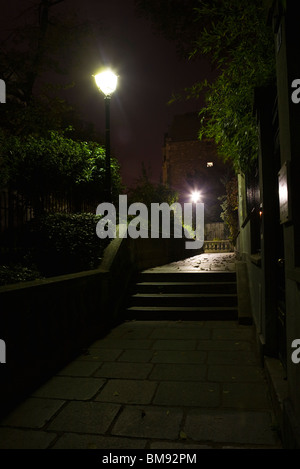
point(60, 243)
point(228, 116)
point(39, 166)
point(230, 208)
point(53, 244)
point(148, 192)
point(17, 273)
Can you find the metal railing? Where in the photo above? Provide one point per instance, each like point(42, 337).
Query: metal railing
point(15, 210)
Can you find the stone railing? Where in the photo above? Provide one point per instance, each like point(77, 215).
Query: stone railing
point(218, 246)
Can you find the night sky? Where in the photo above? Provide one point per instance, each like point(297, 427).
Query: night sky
point(149, 72)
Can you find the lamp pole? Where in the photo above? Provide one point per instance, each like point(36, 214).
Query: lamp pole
point(107, 83)
point(107, 149)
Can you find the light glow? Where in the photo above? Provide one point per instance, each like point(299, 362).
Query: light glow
point(195, 196)
point(106, 82)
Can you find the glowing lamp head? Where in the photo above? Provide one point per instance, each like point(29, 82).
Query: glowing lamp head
point(195, 196)
point(106, 82)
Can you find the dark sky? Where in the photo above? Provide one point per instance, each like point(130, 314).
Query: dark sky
point(149, 72)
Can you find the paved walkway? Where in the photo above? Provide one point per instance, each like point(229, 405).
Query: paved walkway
point(201, 263)
point(154, 385)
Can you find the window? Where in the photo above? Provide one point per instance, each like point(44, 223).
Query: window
point(209, 164)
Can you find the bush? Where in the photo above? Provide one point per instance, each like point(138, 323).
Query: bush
point(17, 273)
point(61, 243)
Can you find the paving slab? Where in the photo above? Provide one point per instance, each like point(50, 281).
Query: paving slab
point(229, 357)
point(245, 396)
point(120, 343)
point(11, 438)
point(134, 332)
point(33, 413)
point(241, 333)
point(181, 333)
point(220, 345)
point(124, 370)
point(182, 372)
point(68, 388)
point(85, 417)
point(149, 422)
point(216, 324)
point(74, 441)
point(235, 373)
point(165, 344)
point(97, 354)
point(178, 446)
point(251, 428)
point(79, 368)
point(136, 356)
point(180, 324)
point(189, 394)
point(179, 356)
point(127, 391)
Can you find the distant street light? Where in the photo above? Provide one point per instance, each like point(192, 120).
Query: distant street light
point(106, 81)
point(195, 196)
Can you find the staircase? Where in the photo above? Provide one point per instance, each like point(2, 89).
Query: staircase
point(183, 296)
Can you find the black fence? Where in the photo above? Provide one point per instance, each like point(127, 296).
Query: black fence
point(15, 209)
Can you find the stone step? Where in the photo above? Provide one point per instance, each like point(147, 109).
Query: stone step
point(185, 287)
point(188, 313)
point(183, 299)
point(186, 276)
point(183, 295)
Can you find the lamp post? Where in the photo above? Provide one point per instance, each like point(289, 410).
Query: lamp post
point(195, 198)
point(106, 81)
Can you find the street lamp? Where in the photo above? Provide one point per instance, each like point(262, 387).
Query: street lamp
point(106, 81)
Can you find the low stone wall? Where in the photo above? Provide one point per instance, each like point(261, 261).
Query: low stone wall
point(46, 323)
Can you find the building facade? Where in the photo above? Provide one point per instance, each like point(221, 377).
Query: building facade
point(190, 164)
point(269, 216)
